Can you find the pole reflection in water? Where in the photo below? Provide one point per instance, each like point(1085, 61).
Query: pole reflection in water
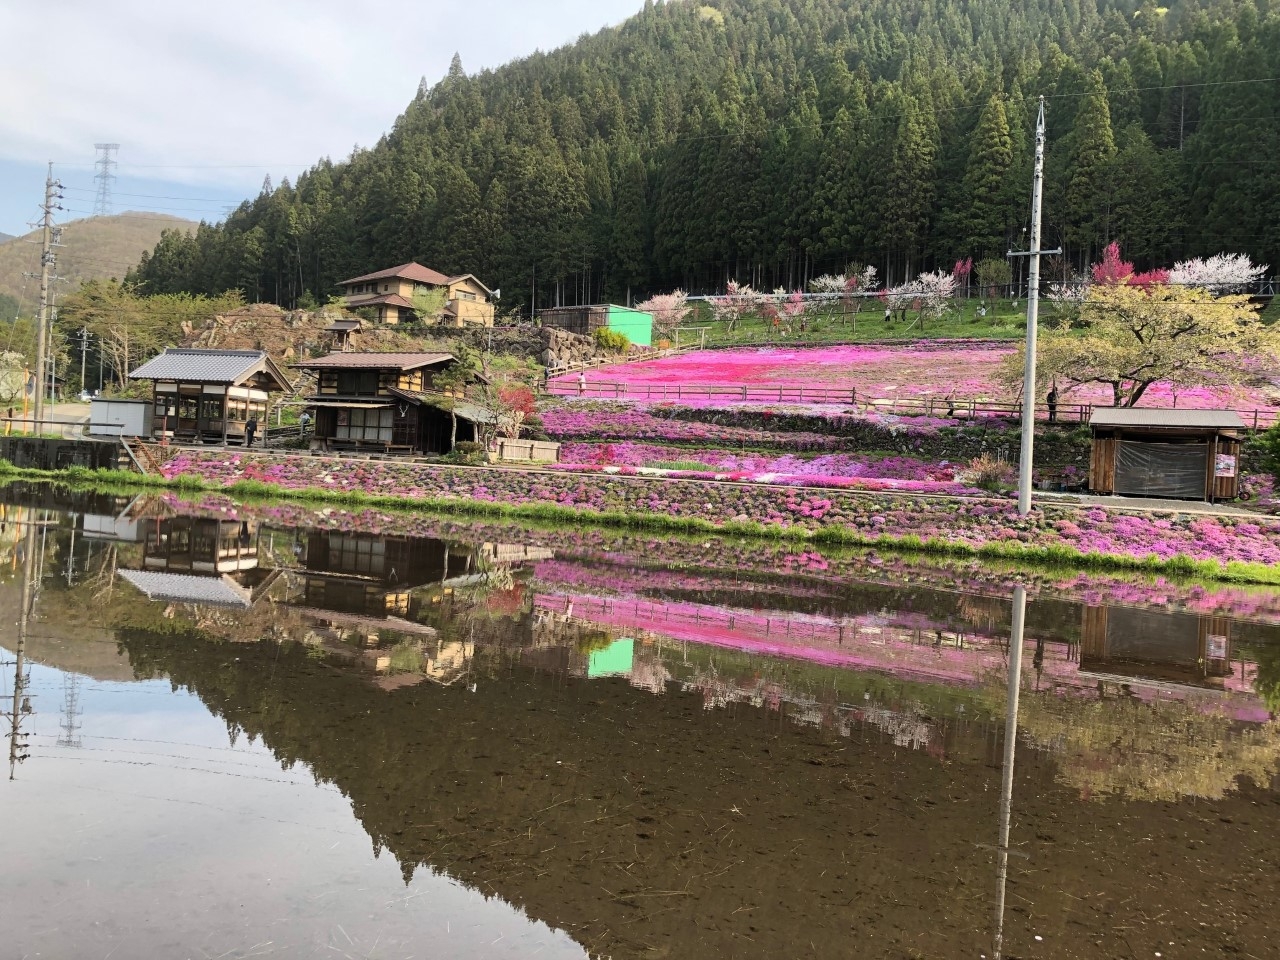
point(1010, 744)
point(21, 703)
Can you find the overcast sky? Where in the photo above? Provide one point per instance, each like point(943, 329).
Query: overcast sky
point(207, 98)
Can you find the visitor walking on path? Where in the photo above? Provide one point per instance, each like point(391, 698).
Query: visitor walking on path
point(582, 383)
point(305, 422)
point(250, 429)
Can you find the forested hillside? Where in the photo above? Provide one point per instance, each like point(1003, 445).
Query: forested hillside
point(772, 140)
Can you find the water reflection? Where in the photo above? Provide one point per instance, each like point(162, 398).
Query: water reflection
point(727, 761)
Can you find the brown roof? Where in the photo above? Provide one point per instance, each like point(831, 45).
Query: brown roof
point(374, 361)
point(1165, 417)
point(469, 276)
point(390, 299)
point(406, 271)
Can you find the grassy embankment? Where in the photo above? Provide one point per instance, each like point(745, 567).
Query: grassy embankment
point(1053, 555)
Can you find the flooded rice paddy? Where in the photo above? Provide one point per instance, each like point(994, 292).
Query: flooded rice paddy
point(251, 731)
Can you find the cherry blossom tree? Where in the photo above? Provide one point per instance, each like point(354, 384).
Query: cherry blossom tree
point(1221, 273)
point(669, 310)
point(739, 301)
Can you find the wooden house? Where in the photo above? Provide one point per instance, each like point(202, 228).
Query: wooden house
point(1128, 643)
point(209, 395)
point(1182, 454)
point(388, 403)
point(388, 295)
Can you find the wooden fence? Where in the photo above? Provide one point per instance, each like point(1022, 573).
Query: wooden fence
point(903, 406)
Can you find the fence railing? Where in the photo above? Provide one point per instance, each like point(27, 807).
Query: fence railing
point(904, 406)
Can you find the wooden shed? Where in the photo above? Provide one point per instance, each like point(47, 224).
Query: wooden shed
point(1180, 454)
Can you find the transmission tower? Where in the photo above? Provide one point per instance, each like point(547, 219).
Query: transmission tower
point(71, 711)
point(104, 165)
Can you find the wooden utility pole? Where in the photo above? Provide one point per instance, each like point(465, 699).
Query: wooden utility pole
point(52, 194)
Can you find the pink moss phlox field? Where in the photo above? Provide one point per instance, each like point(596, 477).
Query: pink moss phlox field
point(776, 567)
point(679, 424)
point(831, 470)
point(963, 369)
point(971, 523)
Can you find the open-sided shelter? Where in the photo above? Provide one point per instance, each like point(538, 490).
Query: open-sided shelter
point(388, 402)
point(1182, 454)
point(209, 395)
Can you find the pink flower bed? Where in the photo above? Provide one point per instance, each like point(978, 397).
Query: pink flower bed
point(935, 368)
point(830, 470)
point(970, 523)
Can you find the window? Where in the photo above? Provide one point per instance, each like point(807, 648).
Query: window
point(365, 425)
point(358, 383)
point(356, 554)
point(466, 295)
point(188, 408)
point(211, 408)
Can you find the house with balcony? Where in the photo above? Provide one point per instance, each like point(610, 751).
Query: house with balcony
point(388, 403)
point(388, 295)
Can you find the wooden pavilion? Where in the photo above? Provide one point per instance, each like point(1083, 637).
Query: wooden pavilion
point(210, 395)
point(1179, 454)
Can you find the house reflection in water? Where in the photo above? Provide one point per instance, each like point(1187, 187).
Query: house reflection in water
point(1124, 644)
point(201, 545)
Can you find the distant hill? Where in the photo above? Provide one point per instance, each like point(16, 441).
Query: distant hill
point(92, 248)
point(5, 236)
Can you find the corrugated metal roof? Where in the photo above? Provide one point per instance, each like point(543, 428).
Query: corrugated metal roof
point(208, 366)
point(1165, 417)
point(406, 271)
point(185, 588)
point(374, 361)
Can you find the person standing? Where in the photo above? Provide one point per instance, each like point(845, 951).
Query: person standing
point(305, 422)
point(582, 383)
point(1051, 399)
point(250, 430)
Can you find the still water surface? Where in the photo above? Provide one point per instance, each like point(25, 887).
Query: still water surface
point(250, 731)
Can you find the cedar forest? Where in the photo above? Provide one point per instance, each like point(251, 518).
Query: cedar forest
point(770, 141)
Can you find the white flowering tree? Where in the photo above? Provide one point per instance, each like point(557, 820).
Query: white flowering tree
point(1220, 274)
point(668, 310)
point(13, 377)
point(738, 301)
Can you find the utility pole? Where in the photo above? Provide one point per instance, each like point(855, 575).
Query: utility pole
point(1006, 778)
point(52, 194)
point(1033, 310)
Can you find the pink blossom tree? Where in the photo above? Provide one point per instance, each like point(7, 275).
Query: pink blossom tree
point(668, 310)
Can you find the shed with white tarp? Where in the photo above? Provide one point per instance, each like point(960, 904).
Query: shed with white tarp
point(1157, 452)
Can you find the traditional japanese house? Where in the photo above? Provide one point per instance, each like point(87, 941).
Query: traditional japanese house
point(1184, 454)
point(388, 402)
point(210, 395)
point(387, 295)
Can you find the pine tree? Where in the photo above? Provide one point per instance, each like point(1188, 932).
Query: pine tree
point(984, 180)
point(1092, 150)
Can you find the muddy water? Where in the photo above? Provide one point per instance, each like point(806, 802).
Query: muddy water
point(244, 737)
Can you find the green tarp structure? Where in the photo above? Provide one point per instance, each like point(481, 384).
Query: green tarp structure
point(612, 660)
point(634, 324)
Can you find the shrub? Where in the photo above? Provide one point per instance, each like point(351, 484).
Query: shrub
point(611, 340)
point(468, 451)
point(1267, 445)
point(988, 473)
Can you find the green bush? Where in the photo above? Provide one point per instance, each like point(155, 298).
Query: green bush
point(1267, 445)
point(467, 451)
point(611, 340)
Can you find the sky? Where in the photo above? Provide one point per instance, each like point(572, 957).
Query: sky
point(206, 99)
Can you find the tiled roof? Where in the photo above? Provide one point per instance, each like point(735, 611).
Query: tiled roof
point(209, 366)
point(185, 588)
point(470, 276)
point(465, 409)
point(341, 325)
point(406, 271)
point(1165, 417)
point(390, 299)
point(374, 361)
